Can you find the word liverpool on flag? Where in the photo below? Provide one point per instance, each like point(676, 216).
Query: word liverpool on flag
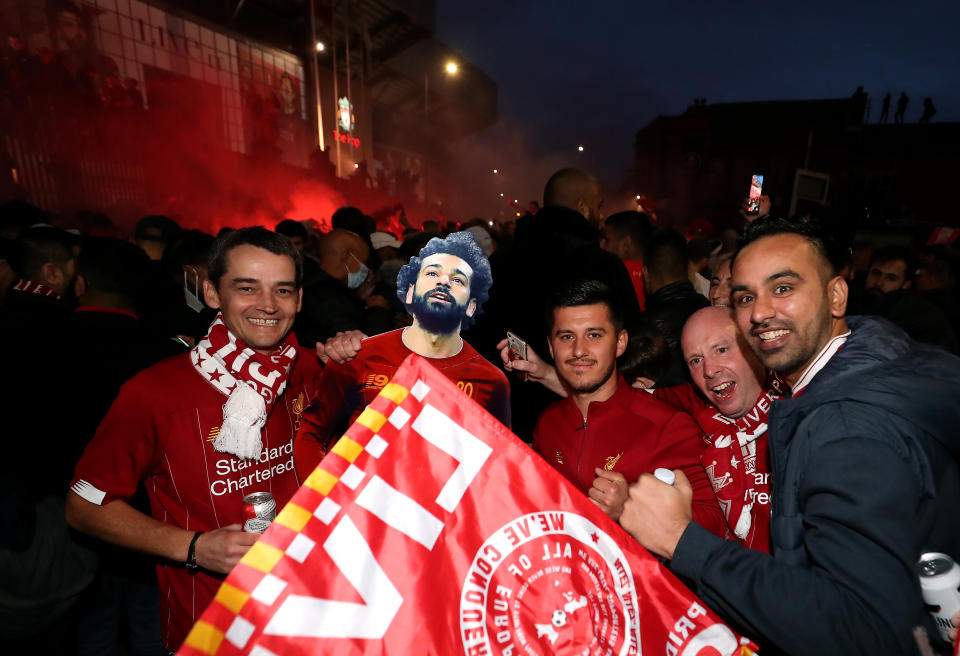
point(431, 529)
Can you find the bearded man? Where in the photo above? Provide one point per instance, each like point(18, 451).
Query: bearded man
point(443, 288)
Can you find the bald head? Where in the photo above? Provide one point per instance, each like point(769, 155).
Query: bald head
point(576, 190)
point(341, 252)
point(721, 365)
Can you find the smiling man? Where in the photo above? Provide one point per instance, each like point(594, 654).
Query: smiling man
point(605, 434)
point(444, 289)
point(203, 430)
point(864, 461)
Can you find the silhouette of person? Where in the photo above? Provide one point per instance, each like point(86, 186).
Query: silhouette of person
point(928, 111)
point(885, 109)
point(902, 103)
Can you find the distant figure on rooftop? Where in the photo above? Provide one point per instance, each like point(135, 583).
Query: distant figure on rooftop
point(885, 109)
point(902, 103)
point(859, 105)
point(928, 111)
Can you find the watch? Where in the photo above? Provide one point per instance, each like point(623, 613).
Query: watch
point(192, 553)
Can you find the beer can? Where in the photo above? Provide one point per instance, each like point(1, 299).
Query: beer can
point(259, 510)
point(940, 586)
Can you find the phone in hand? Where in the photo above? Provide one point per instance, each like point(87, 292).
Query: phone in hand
point(756, 189)
point(518, 350)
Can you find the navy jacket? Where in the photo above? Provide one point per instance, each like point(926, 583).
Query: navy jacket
point(865, 479)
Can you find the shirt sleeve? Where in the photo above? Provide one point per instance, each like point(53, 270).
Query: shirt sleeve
point(847, 583)
point(125, 449)
point(337, 397)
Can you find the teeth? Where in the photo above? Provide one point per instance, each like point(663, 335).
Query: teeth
point(773, 334)
point(722, 387)
point(263, 322)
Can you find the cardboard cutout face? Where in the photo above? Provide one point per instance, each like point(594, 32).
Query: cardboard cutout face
point(440, 298)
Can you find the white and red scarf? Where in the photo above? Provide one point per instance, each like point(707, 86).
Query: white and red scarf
point(251, 381)
point(735, 464)
point(31, 287)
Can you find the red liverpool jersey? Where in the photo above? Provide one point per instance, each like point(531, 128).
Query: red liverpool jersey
point(346, 389)
point(631, 433)
point(160, 430)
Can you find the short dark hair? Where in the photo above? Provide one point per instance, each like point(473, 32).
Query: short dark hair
point(831, 252)
point(113, 266)
point(189, 248)
point(41, 245)
point(290, 228)
point(647, 354)
point(893, 253)
point(633, 224)
point(462, 245)
point(156, 227)
point(256, 236)
point(353, 219)
point(665, 254)
point(585, 292)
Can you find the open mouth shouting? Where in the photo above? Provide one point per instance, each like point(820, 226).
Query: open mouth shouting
point(724, 390)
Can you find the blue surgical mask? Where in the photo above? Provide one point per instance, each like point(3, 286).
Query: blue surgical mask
point(356, 278)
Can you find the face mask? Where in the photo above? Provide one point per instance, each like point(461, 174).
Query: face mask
point(356, 278)
point(192, 297)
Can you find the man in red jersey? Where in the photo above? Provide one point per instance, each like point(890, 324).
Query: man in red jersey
point(605, 434)
point(203, 430)
point(443, 288)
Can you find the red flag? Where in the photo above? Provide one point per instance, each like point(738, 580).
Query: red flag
point(431, 529)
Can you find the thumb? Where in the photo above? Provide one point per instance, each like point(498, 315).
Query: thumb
point(322, 353)
point(682, 483)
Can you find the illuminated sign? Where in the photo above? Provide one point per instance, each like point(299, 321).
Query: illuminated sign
point(346, 138)
point(345, 114)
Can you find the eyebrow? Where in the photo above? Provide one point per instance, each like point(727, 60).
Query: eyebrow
point(786, 273)
point(590, 328)
point(455, 270)
point(282, 283)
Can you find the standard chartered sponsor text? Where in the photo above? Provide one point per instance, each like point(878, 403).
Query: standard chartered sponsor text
point(237, 474)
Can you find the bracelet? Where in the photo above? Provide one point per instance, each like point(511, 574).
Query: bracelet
point(192, 553)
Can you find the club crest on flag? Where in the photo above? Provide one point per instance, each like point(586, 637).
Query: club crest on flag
point(430, 529)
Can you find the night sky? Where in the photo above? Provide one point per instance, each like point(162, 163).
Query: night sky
point(593, 73)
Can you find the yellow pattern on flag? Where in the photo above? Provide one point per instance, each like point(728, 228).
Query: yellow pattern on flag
point(231, 597)
point(371, 419)
point(204, 637)
point(321, 481)
point(262, 557)
point(394, 392)
point(347, 449)
point(294, 517)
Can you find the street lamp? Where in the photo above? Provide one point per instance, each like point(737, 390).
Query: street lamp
point(496, 171)
point(452, 68)
point(320, 46)
point(580, 148)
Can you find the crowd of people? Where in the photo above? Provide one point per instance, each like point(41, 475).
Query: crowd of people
point(802, 391)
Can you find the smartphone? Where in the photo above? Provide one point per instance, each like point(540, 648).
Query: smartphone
point(518, 350)
point(756, 188)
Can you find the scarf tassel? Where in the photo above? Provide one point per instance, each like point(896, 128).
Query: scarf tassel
point(244, 414)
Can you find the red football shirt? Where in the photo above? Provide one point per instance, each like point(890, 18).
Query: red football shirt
point(631, 433)
point(748, 464)
point(160, 430)
point(346, 389)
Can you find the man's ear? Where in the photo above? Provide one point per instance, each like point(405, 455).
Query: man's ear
point(550, 347)
point(51, 275)
point(79, 286)
point(409, 299)
point(583, 208)
point(210, 296)
point(471, 307)
point(621, 342)
point(838, 291)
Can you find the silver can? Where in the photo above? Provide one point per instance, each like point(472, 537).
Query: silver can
point(940, 586)
point(259, 510)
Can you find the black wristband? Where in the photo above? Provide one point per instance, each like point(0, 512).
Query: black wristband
point(192, 553)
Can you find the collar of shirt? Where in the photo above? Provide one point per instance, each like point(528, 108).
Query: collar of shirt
point(819, 363)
